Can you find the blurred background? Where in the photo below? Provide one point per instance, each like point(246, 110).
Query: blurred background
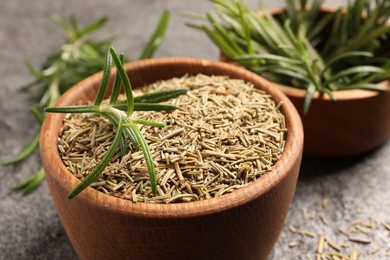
point(340, 191)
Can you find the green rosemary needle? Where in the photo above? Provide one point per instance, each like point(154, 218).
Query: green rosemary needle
point(124, 122)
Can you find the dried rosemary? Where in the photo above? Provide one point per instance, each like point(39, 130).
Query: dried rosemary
point(224, 134)
point(121, 115)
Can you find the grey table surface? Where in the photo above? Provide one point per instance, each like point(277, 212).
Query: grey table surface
point(355, 188)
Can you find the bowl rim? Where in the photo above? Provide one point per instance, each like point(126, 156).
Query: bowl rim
point(340, 95)
point(282, 168)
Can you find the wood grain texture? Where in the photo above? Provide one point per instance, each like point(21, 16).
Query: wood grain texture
point(244, 224)
point(357, 122)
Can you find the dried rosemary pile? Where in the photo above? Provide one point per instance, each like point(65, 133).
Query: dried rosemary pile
point(224, 134)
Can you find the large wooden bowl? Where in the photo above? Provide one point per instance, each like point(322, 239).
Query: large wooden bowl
point(244, 224)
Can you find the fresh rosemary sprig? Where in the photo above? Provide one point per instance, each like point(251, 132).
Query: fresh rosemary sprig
point(77, 59)
point(297, 48)
point(124, 122)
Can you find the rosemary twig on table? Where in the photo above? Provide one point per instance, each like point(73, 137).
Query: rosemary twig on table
point(124, 122)
point(77, 59)
point(304, 47)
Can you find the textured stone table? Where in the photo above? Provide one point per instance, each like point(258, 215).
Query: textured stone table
point(337, 191)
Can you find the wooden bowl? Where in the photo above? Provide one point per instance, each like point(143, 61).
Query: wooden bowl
point(357, 122)
point(244, 224)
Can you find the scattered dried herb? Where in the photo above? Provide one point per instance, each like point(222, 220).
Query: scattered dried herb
point(355, 240)
point(224, 134)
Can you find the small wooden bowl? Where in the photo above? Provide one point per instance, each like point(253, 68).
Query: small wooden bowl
point(244, 224)
point(357, 122)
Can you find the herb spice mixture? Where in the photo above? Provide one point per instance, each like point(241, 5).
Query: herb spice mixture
point(224, 134)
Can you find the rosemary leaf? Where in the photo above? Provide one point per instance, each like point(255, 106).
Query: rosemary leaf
point(270, 57)
point(61, 22)
point(296, 72)
point(220, 42)
point(117, 83)
point(226, 35)
point(345, 55)
point(308, 98)
point(74, 109)
point(160, 96)
point(127, 131)
point(153, 107)
point(330, 94)
point(354, 70)
point(146, 122)
point(366, 86)
point(38, 115)
point(39, 75)
point(147, 155)
point(157, 37)
point(126, 82)
point(246, 29)
point(106, 78)
point(27, 150)
point(144, 106)
point(93, 26)
point(31, 183)
point(124, 147)
point(133, 138)
point(378, 32)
